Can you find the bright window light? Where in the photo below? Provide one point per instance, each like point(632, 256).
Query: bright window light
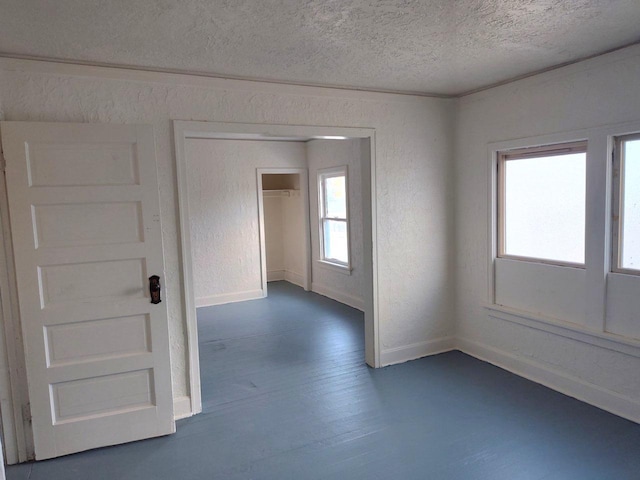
point(542, 203)
point(334, 228)
point(628, 166)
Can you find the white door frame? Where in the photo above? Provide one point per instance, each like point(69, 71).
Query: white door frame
point(303, 173)
point(14, 396)
point(246, 131)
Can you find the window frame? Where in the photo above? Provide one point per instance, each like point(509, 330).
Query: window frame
point(617, 196)
point(322, 175)
point(503, 156)
point(597, 325)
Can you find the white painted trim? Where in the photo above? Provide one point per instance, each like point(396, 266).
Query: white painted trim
point(570, 385)
point(601, 61)
point(230, 298)
point(370, 226)
point(276, 193)
point(334, 267)
point(16, 430)
point(264, 131)
point(307, 271)
point(181, 407)
point(598, 227)
point(321, 175)
point(264, 275)
point(295, 278)
point(188, 297)
point(414, 351)
point(52, 66)
point(352, 301)
point(7, 406)
point(570, 330)
point(492, 223)
point(195, 129)
point(287, 276)
point(6, 401)
point(275, 275)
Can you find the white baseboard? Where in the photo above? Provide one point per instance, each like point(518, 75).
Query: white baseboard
point(613, 402)
point(181, 407)
point(287, 275)
point(293, 277)
point(275, 275)
point(229, 298)
point(341, 297)
point(416, 350)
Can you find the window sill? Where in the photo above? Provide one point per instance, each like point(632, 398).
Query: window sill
point(542, 261)
point(336, 267)
point(628, 272)
point(628, 346)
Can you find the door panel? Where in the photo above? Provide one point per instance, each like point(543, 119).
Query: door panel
point(95, 339)
point(122, 225)
point(85, 224)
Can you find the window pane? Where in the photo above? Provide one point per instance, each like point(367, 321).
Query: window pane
point(630, 213)
point(545, 207)
point(335, 241)
point(336, 199)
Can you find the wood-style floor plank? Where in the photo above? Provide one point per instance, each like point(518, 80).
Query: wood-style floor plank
point(287, 395)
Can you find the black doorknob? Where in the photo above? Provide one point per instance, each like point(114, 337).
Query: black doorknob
point(154, 288)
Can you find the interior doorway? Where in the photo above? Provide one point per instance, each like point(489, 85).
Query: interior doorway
point(187, 131)
point(283, 209)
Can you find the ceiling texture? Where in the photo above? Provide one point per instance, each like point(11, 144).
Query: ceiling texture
point(447, 47)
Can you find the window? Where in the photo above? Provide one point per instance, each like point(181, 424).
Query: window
point(541, 203)
point(541, 198)
point(333, 212)
point(626, 205)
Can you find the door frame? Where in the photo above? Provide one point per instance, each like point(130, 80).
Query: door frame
point(184, 130)
point(15, 410)
point(303, 173)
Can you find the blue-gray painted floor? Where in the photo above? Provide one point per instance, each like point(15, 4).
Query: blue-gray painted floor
point(287, 396)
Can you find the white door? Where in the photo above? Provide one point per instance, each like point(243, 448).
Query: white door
point(85, 223)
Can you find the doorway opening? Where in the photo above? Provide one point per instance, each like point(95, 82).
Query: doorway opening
point(281, 138)
point(283, 209)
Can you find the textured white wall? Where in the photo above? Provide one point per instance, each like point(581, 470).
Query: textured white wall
point(326, 280)
point(223, 206)
point(602, 91)
point(413, 151)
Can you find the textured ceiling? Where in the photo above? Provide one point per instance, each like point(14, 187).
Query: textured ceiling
point(437, 47)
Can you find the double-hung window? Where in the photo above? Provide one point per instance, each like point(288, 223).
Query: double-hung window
point(542, 199)
point(541, 204)
point(626, 205)
point(334, 216)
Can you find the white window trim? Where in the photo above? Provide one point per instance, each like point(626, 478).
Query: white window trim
point(598, 225)
point(336, 267)
point(617, 189)
point(504, 156)
point(331, 263)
